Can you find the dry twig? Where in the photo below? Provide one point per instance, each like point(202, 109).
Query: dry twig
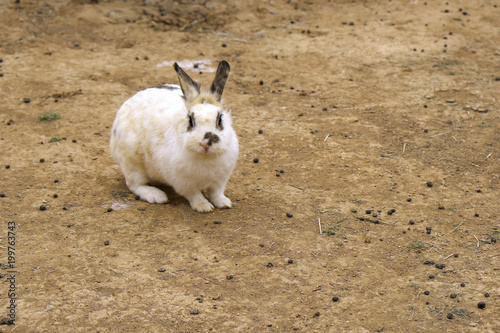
point(453, 229)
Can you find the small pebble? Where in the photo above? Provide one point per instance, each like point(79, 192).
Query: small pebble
point(426, 292)
point(453, 295)
point(450, 316)
point(462, 284)
point(224, 45)
point(196, 311)
point(289, 215)
point(290, 261)
point(429, 183)
point(261, 131)
point(441, 207)
point(109, 210)
point(42, 160)
point(42, 207)
point(481, 305)
point(2, 195)
point(368, 211)
point(270, 264)
point(431, 276)
point(7, 166)
point(106, 243)
point(229, 277)
point(412, 222)
point(486, 294)
point(256, 160)
point(428, 262)
point(335, 299)
point(476, 214)
point(409, 199)
point(217, 222)
point(389, 212)
point(428, 230)
point(317, 314)
point(26, 100)
point(74, 140)
point(261, 82)
point(55, 195)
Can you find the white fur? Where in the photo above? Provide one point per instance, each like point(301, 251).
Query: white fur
point(151, 143)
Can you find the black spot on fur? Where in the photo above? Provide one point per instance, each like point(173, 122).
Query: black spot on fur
point(192, 123)
point(219, 123)
point(212, 138)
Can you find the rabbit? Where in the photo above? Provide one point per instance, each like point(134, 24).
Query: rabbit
point(177, 135)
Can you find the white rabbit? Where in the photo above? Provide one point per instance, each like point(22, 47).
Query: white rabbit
point(180, 136)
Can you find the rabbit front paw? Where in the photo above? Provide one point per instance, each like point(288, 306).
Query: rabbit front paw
point(202, 206)
point(221, 202)
point(151, 194)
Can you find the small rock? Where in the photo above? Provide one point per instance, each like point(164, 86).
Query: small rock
point(289, 215)
point(161, 270)
point(429, 183)
point(256, 160)
point(194, 311)
point(106, 243)
point(481, 305)
point(43, 207)
point(335, 299)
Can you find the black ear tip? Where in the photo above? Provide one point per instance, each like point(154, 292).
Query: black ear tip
point(225, 65)
point(176, 67)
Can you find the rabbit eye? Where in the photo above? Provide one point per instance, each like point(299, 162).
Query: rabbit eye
point(219, 122)
point(191, 122)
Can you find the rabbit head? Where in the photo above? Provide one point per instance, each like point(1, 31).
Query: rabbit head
point(206, 128)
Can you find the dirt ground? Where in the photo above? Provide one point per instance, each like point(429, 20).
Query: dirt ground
point(360, 103)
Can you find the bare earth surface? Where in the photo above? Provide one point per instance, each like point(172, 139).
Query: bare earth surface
point(360, 104)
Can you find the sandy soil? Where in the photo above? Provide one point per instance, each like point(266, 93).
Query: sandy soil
point(360, 103)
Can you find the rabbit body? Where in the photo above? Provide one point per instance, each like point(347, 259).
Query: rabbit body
point(180, 136)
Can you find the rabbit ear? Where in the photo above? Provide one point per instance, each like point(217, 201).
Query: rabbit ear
point(220, 80)
point(190, 89)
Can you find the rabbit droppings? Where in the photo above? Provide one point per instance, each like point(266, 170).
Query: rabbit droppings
point(180, 136)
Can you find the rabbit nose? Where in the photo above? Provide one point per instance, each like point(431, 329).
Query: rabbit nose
point(210, 138)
